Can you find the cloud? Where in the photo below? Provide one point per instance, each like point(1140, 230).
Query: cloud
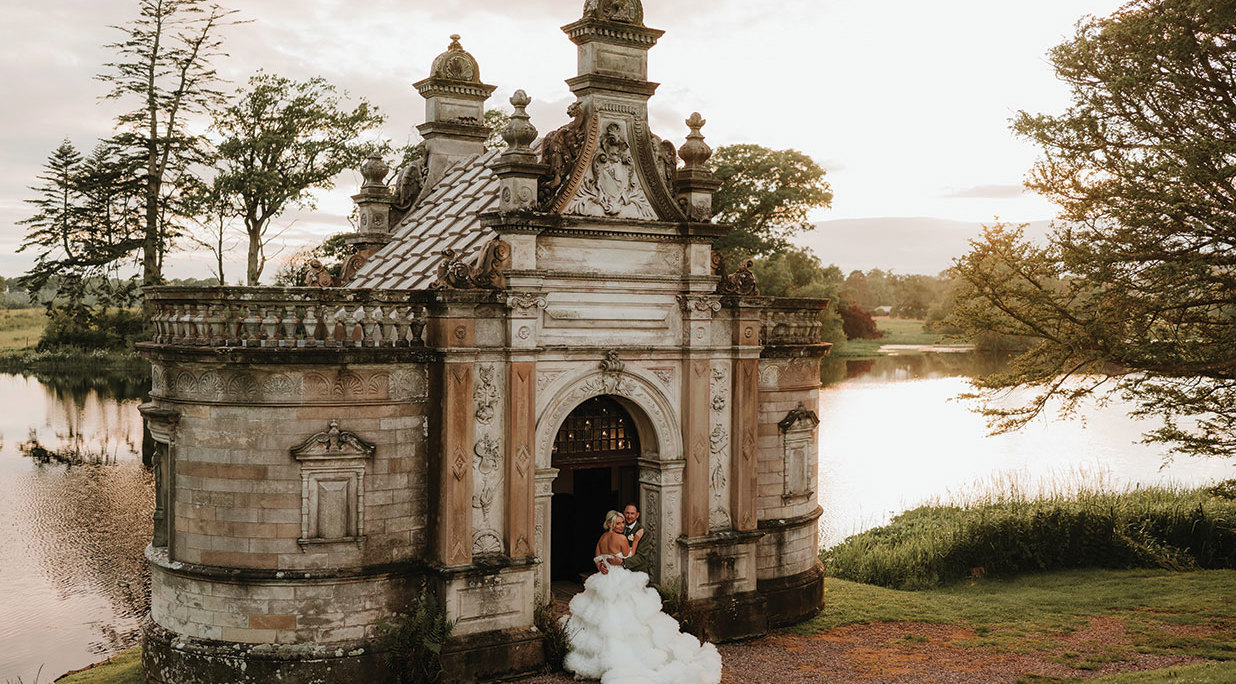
point(987, 192)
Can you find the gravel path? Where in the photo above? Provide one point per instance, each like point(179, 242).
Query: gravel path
point(905, 653)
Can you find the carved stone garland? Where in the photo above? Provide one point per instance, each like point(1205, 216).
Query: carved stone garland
point(487, 471)
point(718, 490)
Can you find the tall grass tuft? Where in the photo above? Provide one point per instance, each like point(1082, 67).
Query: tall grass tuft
point(1008, 533)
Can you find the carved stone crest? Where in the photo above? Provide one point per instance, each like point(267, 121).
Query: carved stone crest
point(612, 187)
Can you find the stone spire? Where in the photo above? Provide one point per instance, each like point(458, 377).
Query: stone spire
point(695, 182)
point(454, 127)
point(613, 52)
point(518, 168)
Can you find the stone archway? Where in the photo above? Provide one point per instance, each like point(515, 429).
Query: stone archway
point(661, 465)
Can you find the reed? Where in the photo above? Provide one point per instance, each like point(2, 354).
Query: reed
point(1005, 532)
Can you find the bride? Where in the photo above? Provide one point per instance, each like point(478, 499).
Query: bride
point(618, 633)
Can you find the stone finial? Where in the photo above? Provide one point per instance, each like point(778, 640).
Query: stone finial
point(695, 152)
point(456, 64)
point(695, 182)
point(517, 168)
point(619, 11)
point(519, 132)
point(374, 170)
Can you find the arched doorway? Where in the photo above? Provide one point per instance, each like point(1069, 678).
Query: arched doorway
point(596, 452)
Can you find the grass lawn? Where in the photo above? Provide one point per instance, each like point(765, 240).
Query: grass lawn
point(896, 331)
point(125, 668)
point(1159, 612)
point(21, 328)
point(1162, 612)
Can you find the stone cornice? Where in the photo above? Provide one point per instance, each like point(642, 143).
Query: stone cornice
point(593, 30)
point(582, 84)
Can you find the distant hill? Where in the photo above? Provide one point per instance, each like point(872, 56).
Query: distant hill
point(903, 245)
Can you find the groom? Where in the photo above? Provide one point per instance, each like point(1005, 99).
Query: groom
point(639, 539)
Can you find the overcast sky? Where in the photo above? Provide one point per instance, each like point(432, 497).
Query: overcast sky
point(905, 102)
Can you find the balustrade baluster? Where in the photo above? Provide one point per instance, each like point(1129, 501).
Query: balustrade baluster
point(185, 319)
point(369, 323)
point(289, 326)
point(252, 324)
point(418, 326)
point(401, 317)
point(270, 327)
point(337, 334)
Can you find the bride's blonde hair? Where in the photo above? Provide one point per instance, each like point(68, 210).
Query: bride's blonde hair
point(610, 519)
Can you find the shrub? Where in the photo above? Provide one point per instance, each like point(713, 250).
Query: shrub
point(1143, 528)
point(857, 323)
point(86, 327)
point(557, 643)
point(416, 641)
point(674, 604)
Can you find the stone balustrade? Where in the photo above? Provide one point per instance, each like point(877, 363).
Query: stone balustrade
point(793, 322)
point(288, 318)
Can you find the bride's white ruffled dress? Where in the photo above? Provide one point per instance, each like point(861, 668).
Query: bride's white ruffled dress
point(619, 635)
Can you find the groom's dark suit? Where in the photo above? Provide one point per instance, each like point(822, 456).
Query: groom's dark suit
point(642, 560)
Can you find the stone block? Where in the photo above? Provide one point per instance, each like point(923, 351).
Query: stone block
point(259, 621)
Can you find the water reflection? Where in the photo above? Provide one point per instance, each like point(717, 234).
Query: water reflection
point(72, 570)
point(893, 436)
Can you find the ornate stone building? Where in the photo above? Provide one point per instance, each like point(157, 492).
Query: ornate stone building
point(524, 339)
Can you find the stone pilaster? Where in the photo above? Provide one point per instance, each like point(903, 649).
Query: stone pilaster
point(544, 490)
point(698, 311)
point(521, 461)
point(452, 329)
point(745, 417)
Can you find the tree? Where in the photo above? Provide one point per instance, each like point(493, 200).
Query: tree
point(209, 208)
point(1136, 291)
point(281, 140)
point(796, 272)
point(767, 195)
point(164, 65)
point(85, 226)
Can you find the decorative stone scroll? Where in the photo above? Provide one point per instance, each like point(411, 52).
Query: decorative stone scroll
point(486, 272)
point(798, 444)
point(560, 152)
point(739, 283)
point(332, 486)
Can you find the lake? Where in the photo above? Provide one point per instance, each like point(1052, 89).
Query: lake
point(75, 584)
point(892, 437)
point(72, 574)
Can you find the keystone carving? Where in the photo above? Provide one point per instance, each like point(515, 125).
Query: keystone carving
point(612, 364)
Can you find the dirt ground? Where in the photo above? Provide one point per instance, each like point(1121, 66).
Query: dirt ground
point(900, 652)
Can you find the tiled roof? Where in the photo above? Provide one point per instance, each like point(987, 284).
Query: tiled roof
point(449, 217)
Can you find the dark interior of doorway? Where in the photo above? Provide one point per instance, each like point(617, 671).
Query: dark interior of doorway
point(596, 452)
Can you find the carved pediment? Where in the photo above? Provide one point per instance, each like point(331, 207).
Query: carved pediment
point(333, 444)
point(609, 165)
point(801, 418)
